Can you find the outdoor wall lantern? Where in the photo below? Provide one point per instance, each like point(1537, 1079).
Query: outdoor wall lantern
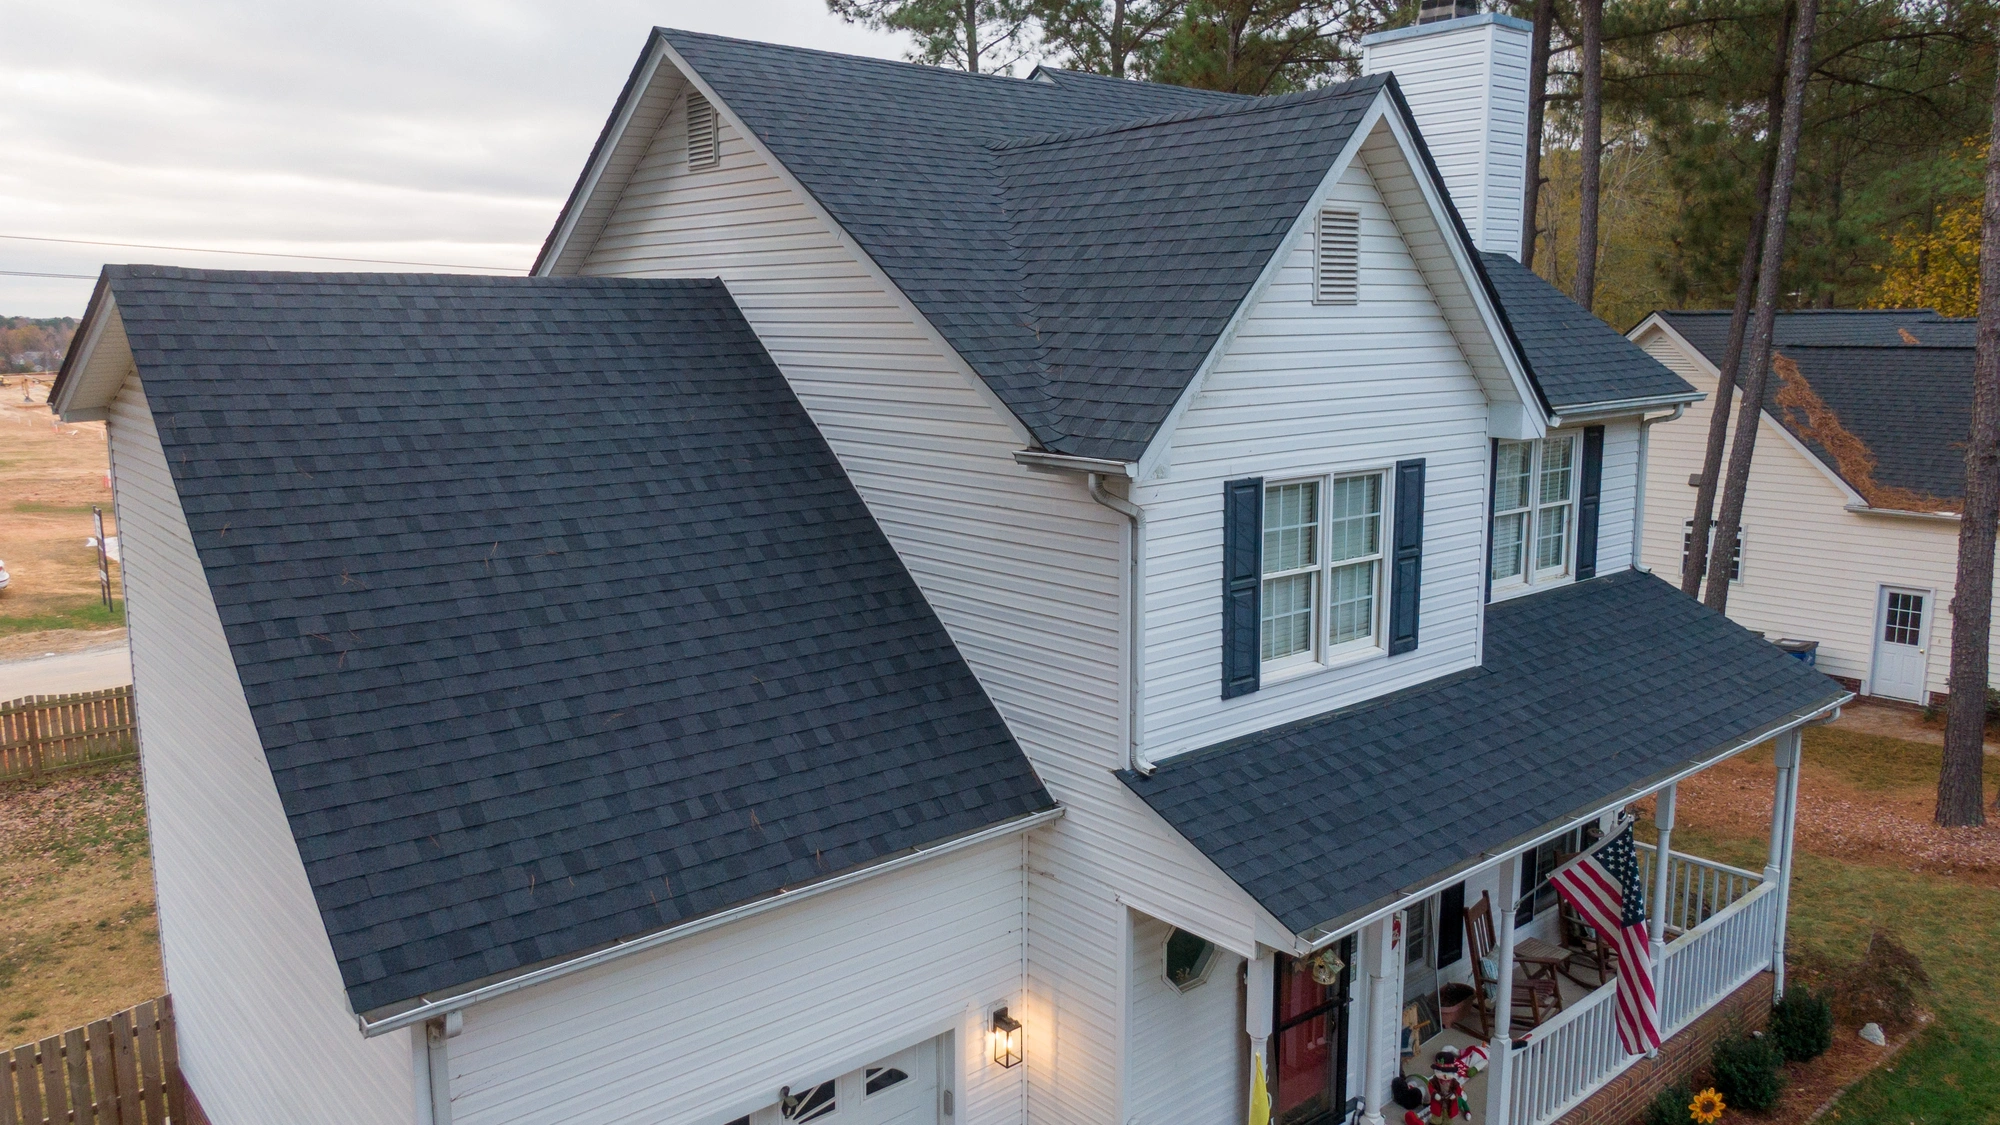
point(1006, 1038)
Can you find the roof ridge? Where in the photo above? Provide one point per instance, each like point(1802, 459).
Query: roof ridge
point(1257, 102)
point(903, 64)
point(150, 270)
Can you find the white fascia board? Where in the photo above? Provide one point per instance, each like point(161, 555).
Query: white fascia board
point(614, 141)
point(1654, 322)
point(393, 1017)
point(99, 361)
point(1903, 513)
point(666, 53)
point(1325, 934)
point(1620, 408)
point(1380, 111)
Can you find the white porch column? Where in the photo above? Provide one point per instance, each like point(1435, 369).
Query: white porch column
point(1384, 958)
point(1259, 980)
point(1663, 818)
point(1500, 1051)
point(1784, 823)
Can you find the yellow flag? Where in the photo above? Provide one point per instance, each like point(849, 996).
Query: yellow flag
point(1260, 1098)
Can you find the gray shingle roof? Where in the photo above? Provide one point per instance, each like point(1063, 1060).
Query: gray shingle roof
point(1080, 240)
point(557, 617)
point(1586, 691)
point(1578, 360)
point(1909, 403)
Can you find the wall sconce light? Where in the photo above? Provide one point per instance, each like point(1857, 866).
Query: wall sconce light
point(1006, 1039)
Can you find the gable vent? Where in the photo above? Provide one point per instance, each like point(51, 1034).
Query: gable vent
point(1337, 259)
point(703, 151)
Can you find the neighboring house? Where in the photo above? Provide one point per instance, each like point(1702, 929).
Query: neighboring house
point(1850, 526)
point(1215, 580)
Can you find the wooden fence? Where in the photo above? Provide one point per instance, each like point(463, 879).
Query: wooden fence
point(47, 733)
point(118, 1071)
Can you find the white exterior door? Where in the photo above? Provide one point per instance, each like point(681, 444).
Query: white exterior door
point(1902, 642)
point(902, 1089)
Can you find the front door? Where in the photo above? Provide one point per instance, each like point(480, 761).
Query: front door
point(901, 1089)
point(1902, 640)
point(1309, 1038)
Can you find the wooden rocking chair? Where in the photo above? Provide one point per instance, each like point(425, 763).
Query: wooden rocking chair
point(1588, 949)
point(1535, 998)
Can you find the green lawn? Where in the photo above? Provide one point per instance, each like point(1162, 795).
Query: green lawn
point(77, 615)
point(1952, 1072)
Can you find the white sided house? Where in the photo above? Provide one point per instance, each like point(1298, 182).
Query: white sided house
point(1104, 599)
point(1849, 538)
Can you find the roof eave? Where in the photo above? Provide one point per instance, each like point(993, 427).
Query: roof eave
point(1618, 408)
point(600, 153)
point(70, 396)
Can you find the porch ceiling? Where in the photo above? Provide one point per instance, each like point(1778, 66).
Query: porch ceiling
point(1588, 692)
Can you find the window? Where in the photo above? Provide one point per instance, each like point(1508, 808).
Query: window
point(1337, 258)
point(1687, 547)
point(703, 149)
point(1534, 510)
point(812, 1105)
point(881, 1078)
point(1189, 959)
point(1323, 567)
point(1903, 621)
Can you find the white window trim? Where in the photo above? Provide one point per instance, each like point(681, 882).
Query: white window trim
point(1323, 656)
point(1742, 547)
point(1532, 579)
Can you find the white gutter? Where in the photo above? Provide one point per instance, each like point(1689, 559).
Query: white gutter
point(1326, 933)
point(1902, 513)
point(1639, 494)
point(449, 1003)
point(1066, 463)
point(1596, 410)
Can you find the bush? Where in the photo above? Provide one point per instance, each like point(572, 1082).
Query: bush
point(1802, 1025)
point(1884, 985)
point(1669, 1106)
point(1749, 1071)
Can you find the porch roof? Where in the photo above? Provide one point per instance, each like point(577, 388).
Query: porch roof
point(1587, 692)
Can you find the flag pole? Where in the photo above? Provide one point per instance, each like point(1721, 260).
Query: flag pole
point(1625, 821)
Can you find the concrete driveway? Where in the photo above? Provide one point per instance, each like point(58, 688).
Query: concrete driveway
point(90, 669)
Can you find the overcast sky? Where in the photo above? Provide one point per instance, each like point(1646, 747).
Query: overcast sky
point(417, 130)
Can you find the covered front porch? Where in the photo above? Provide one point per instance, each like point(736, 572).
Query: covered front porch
point(1423, 827)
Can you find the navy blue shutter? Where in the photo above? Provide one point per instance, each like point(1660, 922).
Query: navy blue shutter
point(1587, 501)
point(1242, 583)
point(1406, 567)
point(1451, 926)
point(1492, 500)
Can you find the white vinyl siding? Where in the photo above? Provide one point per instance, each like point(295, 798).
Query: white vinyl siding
point(1025, 571)
point(1187, 1054)
point(259, 1009)
point(1386, 384)
point(706, 1029)
point(1817, 569)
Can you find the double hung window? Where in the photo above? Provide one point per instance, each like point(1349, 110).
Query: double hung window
point(1323, 569)
point(1687, 547)
point(1534, 510)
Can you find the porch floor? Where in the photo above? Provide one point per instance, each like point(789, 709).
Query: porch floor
point(1419, 1065)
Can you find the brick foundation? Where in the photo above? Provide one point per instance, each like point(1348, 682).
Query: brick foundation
point(1625, 1098)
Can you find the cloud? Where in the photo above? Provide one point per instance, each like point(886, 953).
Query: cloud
point(447, 131)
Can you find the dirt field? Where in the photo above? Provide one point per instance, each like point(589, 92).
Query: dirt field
point(51, 474)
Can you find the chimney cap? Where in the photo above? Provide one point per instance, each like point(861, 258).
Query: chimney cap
point(1431, 11)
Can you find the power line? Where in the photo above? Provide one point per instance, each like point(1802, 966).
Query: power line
point(245, 253)
point(30, 273)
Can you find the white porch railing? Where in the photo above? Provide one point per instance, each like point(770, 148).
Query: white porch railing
point(1573, 1055)
point(1697, 889)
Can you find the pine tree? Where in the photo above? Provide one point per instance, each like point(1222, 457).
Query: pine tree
point(974, 35)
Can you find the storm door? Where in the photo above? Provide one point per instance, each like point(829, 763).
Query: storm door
point(1309, 1037)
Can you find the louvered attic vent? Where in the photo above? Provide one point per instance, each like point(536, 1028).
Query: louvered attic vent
point(1337, 259)
point(703, 151)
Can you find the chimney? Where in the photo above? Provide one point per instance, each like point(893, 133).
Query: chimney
point(1465, 76)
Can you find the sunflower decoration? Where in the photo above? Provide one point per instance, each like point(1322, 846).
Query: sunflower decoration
point(1706, 1107)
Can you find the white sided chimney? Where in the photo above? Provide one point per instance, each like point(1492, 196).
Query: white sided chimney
point(1465, 76)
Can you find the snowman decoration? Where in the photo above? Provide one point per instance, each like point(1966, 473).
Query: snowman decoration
point(1447, 1088)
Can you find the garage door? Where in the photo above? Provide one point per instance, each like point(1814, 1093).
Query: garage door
point(901, 1089)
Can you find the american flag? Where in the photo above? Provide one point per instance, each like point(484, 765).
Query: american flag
point(1604, 886)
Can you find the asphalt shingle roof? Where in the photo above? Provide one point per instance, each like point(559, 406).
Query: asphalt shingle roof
point(1586, 691)
point(1080, 240)
point(1577, 359)
point(558, 619)
point(1908, 401)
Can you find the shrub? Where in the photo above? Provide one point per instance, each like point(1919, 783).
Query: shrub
point(1669, 1106)
point(1802, 1024)
point(1749, 1071)
point(1884, 986)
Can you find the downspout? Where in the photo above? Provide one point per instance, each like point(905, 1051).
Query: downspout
point(1135, 618)
point(1639, 492)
